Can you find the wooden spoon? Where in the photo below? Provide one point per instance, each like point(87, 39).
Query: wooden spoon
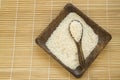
point(76, 32)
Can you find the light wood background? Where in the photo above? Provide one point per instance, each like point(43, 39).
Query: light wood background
point(22, 20)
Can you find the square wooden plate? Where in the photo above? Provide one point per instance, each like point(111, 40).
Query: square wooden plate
point(104, 38)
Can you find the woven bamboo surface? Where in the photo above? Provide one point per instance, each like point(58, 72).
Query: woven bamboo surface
point(21, 21)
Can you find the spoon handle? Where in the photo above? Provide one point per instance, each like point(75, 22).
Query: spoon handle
point(80, 54)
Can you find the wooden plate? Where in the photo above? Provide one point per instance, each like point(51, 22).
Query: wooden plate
point(104, 38)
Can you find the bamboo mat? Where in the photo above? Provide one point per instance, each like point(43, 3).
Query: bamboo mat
point(22, 20)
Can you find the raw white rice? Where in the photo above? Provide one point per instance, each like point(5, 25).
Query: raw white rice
point(62, 45)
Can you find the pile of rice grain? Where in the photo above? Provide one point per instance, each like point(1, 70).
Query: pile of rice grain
point(62, 45)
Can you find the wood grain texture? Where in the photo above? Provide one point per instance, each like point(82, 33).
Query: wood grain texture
point(22, 20)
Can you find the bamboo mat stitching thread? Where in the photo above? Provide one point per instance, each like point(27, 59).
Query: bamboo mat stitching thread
point(33, 26)
point(108, 29)
point(14, 44)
